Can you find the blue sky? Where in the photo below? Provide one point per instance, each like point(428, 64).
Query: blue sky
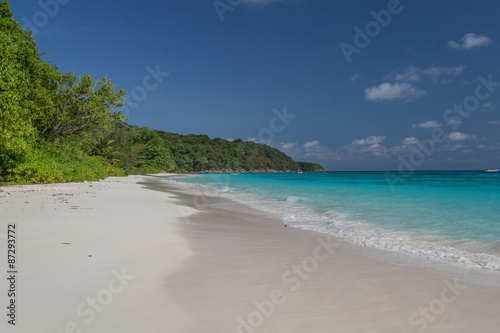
point(353, 85)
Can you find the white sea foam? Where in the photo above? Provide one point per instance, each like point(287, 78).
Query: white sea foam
point(418, 244)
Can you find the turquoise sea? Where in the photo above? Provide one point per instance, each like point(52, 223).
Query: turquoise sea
point(450, 216)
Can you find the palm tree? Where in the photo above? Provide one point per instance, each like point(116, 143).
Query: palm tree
point(102, 145)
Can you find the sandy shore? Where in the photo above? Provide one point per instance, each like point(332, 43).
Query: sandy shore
point(93, 257)
point(136, 255)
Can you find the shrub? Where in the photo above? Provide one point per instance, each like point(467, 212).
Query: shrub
point(51, 164)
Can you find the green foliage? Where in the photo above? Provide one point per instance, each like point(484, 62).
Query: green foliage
point(39, 104)
point(83, 103)
point(135, 150)
point(199, 153)
point(27, 83)
point(57, 127)
point(308, 166)
point(158, 157)
point(101, 144)
point(58, 163)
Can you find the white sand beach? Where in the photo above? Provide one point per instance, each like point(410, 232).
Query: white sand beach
point(137, 255)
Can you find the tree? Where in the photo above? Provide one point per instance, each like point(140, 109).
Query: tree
point(101, 144)
point(199, 153)
point(27, 83)
point(83, 103)
point(39, 104)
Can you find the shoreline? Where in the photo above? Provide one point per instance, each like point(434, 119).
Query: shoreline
point(207, 264)
point(427, 249)
point(229, 171)
point(265, 260)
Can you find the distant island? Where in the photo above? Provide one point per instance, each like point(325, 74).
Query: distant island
point(199, 153)
point(57, 127)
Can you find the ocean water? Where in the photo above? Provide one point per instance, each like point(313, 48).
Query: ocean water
point(447, 216)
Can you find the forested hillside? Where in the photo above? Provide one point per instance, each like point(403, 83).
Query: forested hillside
point(200, 153)
point(62, 127)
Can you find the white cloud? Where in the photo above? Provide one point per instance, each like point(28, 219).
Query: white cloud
point(459, 136)
point(488, 107)
point(495, 122)
point(410, 141)
point(404, 88)
point(360, 148)
point(312, 149)
point(453, 122)
point(311, 144)
point(288, 145)
point(428, 124)
point(406, 145)
point(413, 74)
point(437, 71)
point(448, 147)
point(370, 145)
point(354, 77)
point(391, 92)
point(376, 150)
point(469, 41)
point(369, 140)
point(495, 146)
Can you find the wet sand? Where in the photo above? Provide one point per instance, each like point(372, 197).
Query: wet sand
point(135, 254)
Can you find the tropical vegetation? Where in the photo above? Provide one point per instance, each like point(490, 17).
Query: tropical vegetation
point(64, 127)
